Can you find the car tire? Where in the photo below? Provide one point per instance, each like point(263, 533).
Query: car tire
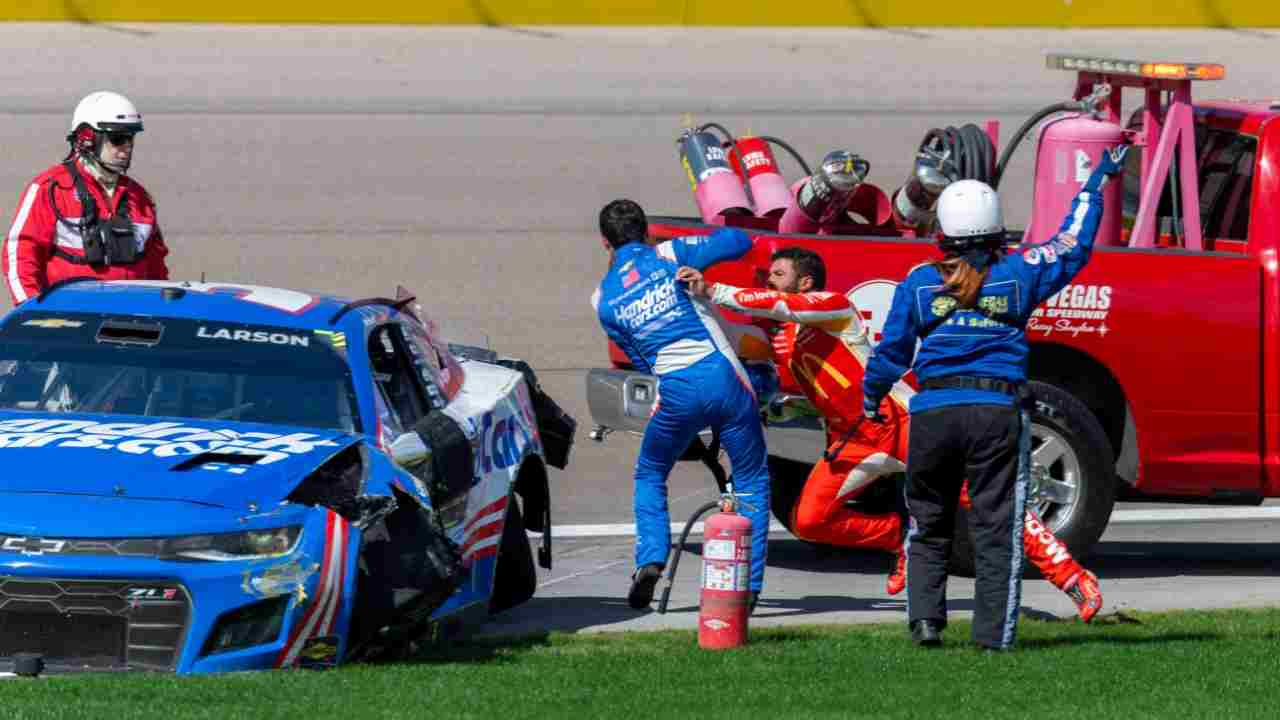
point(515, 578)
point(1086, 463)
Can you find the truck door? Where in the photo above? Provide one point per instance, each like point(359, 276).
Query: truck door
point(1196, 396)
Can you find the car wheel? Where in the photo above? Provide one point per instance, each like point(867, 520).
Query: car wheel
point(515, 578)
point(1072, 486)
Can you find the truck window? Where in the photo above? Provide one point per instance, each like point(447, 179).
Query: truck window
point(1225, 163)
point(1226, 179)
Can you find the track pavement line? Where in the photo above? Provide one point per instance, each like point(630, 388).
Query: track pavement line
point(1121, 517)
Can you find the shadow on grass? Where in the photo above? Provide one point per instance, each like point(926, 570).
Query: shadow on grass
point(477, 649)
point(1115, 640)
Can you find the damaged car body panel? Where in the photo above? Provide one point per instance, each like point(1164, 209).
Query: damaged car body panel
point(210, 478)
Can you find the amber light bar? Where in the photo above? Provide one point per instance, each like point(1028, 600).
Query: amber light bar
point(1136, 68)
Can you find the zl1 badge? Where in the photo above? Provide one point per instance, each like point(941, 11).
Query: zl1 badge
point(319, 653)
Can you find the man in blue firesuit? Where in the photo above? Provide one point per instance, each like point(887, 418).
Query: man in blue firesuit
point(647, 313)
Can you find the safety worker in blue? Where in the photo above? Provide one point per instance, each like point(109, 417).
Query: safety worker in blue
point(652, 318)
point(969, 312)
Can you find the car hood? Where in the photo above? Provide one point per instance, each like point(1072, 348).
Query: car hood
point(240, 466)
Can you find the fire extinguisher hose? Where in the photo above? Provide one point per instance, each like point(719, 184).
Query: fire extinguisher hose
point(968, 148)
point(1075, 106)
point(675, 555)
point(785, 146)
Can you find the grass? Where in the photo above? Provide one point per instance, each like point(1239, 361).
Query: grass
point(1170, 665)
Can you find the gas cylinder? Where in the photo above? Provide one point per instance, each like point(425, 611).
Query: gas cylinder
point(913, 202)
point(716, 188)
point(755, 165)
point(821, 199)
point(726, 572)
point(1069, 148)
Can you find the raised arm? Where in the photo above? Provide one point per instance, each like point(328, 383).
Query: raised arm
point(1050, 265)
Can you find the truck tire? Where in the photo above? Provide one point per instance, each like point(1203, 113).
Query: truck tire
point(1069, 449)
point(515, 579)
point(786, 480)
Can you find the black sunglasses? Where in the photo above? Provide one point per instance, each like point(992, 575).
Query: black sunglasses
point(120, 138)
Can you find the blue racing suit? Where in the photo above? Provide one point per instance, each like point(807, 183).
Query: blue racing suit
point(652, 318)
point(964, 426)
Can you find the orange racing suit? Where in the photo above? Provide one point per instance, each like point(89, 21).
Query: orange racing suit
point(819, 344)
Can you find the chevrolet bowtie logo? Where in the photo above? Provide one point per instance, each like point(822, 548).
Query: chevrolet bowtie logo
point(54, 323)
point(32, 545)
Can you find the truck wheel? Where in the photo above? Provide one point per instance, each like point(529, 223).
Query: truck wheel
point(1072, 486)
point(786, 480)
point(515, 578)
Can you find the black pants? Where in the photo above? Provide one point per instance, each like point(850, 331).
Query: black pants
point(978, 442)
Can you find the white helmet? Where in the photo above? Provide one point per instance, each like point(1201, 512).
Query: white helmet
point(969, 208)
point(98, 115)
point(106, 112)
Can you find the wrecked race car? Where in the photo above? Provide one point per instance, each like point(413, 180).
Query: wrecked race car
point(207, 477)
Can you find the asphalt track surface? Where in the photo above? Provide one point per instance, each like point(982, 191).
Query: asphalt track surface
point(469, 164)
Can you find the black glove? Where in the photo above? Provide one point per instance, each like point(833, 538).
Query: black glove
point(871, 411)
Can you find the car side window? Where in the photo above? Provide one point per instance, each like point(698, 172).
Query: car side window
point(393, 375)
point(428, 366)
point(437, 365)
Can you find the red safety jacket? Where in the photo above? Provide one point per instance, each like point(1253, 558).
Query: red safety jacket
point(41, 249)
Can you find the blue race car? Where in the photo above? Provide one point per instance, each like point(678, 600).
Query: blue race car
point(208, 477)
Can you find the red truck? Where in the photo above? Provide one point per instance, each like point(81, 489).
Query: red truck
point(1156, 370)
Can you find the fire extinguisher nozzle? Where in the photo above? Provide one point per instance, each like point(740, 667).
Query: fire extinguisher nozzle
point(666, 596)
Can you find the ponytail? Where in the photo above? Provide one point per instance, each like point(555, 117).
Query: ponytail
point(963, 281)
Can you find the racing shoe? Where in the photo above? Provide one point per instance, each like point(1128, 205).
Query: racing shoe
point(898, 577)
point(643, 581)
point(1084, 592)
point(926, 633)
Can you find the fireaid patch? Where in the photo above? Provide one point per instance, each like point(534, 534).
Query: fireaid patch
point(995, 304)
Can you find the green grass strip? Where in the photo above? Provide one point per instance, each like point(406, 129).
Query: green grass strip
point(1220, 664)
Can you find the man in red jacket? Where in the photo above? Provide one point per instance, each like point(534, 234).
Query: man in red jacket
point(819, 344)
point(85, 216)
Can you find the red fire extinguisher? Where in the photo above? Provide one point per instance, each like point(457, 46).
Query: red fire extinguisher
point(726, 572)
point(753, 161)
point(726, 564)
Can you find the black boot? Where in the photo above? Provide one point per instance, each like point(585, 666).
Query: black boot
point(643, 580)
point(926, 633)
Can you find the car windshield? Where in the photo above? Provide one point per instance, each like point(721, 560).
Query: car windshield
point(175, 368)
